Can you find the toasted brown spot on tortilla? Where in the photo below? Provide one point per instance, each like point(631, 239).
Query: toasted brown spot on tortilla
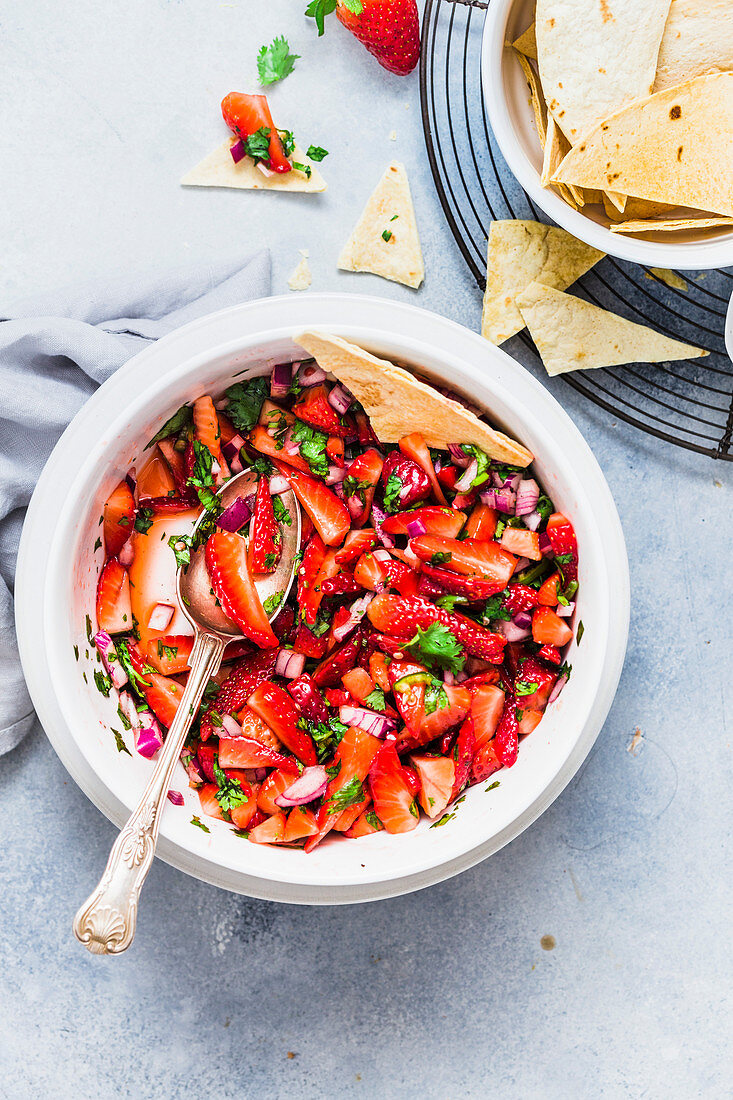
point(679, 153)
point(676, 112)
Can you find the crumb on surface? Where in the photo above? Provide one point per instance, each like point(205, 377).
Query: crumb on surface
point(634, 745)
point(548, 943)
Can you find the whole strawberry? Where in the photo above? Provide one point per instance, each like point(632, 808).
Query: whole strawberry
point(389, 29)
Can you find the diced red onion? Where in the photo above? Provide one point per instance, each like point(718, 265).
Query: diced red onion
point(190, 761)
point(266, 172)
point(280, 379)
point(131, 479)
point(108, 653)
point(289, 447)
point(532, 520)
point(126, 555)
point(176, 798)
point(459, 456)
point(310, 784)
point(523, 620)
point(258, 774)
point(148, 738)
point(357, 611)
point(466, 479)
point(522, 564)
point(340, 400)
point(545, 545)
point(511, 482)
point(503, 500)
point(231, 449)
point(215, 468)
point(231, 725)
point(512, 632)
point(249, 500)
point(454, 677)
point(238, 151)
point(161, 616)
point(221, 404)
point(378, 518)
point(528, 493)
point(289, 664)
point(381, 555)
point(128, 708)
point(379, 725)
point(335, 475)
point(235, 515)
point(310, 374)
point(564, 611)
point(338, 488)
point(558, 686)
point(278, 485)
point(415, 528)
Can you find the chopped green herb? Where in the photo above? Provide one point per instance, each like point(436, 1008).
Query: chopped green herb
point(437, 646)
point(436, 697)
point(245, 400)
point(199, 824)
point(181, 547)
point(123, 656)
point(304, 168)
point(483, 462)
point(315, 152)
point(126, 723)
point(271, 604)
point(169, 651)
point(386, 234)
point(545, 507)
point(525, 687)
point(312, 446)
point(580, 632)
point(492, 786)
point(144, 520)
point(282, 515)
point(119, 741)
point(270, 562)
point(98, 545)
point(334, 769)
point(440, 557)
point(392, 493)
point(394, 217)
point(375, 699)
point(448, 603)
point(181, 419)
point(76, 652)
point(286, 137)
point(257, 145)
point(443, 821)
point(90, 635)
point(326, 737)
point(372, 819)
point(103, 682)
point(494, 609)
point(275, 62)
point(349, 795)
point(230, 794)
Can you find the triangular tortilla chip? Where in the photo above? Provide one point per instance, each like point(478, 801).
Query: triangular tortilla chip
point(655, 225)
point(617, 199)
point(572, 334)
point(675, 146)
point(522, 252)
point(385, 240)
point(536, 97)
point(527, 43)
point(596, 57)
point(557, 148)
point(698, 39)
point(219, 170)
point(398, 403)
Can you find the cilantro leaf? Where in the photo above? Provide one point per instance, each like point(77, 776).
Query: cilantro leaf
point(545, 507)
point(436, 697)
point(257, 145)
point(123, 656)
point(437, 646)
point(484, 463)
point(312, 446)
point(103, 682)
point(275, 62)
point(494, 609)
point(375, 699)
point(282, 515)
point(326, 736)
point(181, 547)
point(119, 741)
point(181, 419)
point(349, 795)
point(202, 478)
point(392, 492)
point(315, 152)
point(286, 137)
point(440, 558)
point(230, 794)
point(199, 824)
point(271, 604)
point(144, 520)
point(245, 400)
point(387, 235)
point(304, 168)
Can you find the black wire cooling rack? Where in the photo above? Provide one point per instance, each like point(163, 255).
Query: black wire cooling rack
point(689, 403)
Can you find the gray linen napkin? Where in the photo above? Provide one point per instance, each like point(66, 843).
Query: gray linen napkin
point(55, 350)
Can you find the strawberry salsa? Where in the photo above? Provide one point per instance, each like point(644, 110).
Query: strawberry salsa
point(422, 640)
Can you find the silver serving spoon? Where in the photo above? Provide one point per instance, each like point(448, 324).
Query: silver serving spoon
point(106, 921)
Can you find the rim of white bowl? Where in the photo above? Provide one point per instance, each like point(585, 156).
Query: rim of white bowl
point(687, 256)
point(368, 319)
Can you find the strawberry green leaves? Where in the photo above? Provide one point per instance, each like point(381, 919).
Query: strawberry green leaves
point(275, 62)
point(319, 9)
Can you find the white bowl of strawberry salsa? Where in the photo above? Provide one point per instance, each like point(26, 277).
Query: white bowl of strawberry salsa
point(438, 670)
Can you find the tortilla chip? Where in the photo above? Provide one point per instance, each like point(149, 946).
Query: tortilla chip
point(389, 214)
point(522, 252)
point(557, 148)
point(527, 43)
point(637, 209)
point(675, 147)
point(617, 200)
point(656, 225)
point(537, 99)
point(594, 58)
point(301, 277)
point(398, 403)
point(669, 278)
point(698, 39)
point(219, 170)
point(572, 334)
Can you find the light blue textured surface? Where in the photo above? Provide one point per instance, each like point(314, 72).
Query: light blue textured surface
point(447, 993)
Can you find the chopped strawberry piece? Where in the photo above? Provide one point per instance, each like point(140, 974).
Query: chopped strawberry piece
point(329, 515)
point(401, 619)
point(533, 685)
point(358, 683)
point(305, 641)
point(344, 584)
point(119, 516)
point(352, 762)
point(370, 571)
point(329, 672)
point(265, 539)
point(448, 477)
point(550, 653)
point(436, 521)
point(245, 115)
point(348, 816)
point(209, 802)
point(506, 741)
point(267, 445)
point(487, 707)
point(244, 814)
point(155, 478)
point(408, 681)
point(523, 543)
point(226, 562)
point(177, 464)
point(277, 709)
point(362, 478)
point(270, 831)
point(308, 698)
point(161, 694)
point(414, 446)
point(114, 611)
point(365, 824)
point(169, 654)
point(481, 523)
point(206, 430)
point(379, 670)
point(301, 823)
point(464, 750)
point(404, 482)
point(437, 776)
point(485, 762)
point(238, 686)
point(474, 589)
point(549, 629)
point(275, 785)
point(548, 593)
point(519, 597)
point(245, 752)
point(394, 799)
point(364, 429)
point(313, 407)
point(471, 558)
point(564, 544)
point(356, 544)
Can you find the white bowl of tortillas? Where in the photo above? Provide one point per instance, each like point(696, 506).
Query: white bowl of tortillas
point(616, 116)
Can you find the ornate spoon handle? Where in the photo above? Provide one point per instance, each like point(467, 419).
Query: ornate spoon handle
point(106, 921)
